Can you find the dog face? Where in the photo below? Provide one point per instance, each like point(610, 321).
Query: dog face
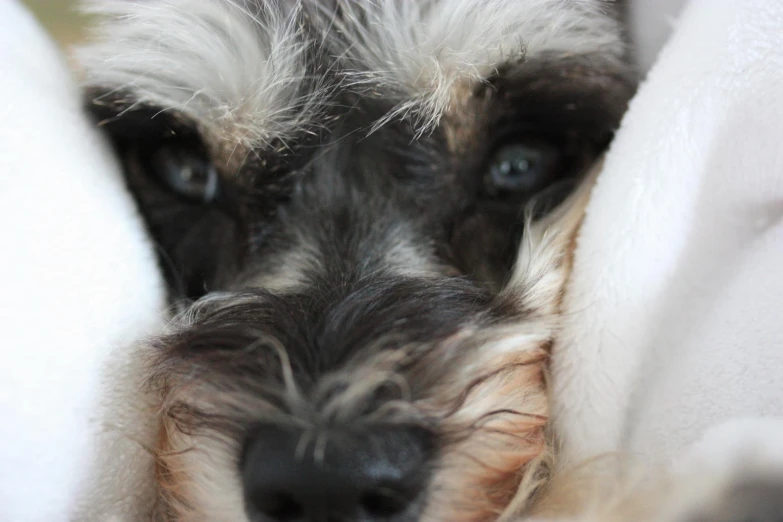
point(342, 188)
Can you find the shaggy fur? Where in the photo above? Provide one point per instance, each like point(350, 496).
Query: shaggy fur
point(355, 269)
point(241, 68)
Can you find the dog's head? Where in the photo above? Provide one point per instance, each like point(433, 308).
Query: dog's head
point(343, 189)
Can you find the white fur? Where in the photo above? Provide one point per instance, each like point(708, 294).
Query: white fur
point(424, 50)
point(240, 72)
point(236, 71)
point(544, 260)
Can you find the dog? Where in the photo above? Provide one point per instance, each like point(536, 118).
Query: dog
point(364, 212)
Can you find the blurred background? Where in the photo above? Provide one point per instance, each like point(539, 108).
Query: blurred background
point(60, 17)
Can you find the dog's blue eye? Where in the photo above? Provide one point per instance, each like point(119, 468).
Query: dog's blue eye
point(187, 174)
point(524, 166)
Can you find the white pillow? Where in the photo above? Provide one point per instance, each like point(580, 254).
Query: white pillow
point(79, 283)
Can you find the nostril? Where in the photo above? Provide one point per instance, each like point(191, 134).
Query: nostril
point(279, 506)
point(377, 474)
point(383, 503)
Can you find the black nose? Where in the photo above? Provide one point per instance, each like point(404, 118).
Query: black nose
point(372, 475)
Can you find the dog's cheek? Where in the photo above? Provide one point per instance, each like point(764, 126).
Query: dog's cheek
point(198, 477)
point(202, 415)
point(498, 438)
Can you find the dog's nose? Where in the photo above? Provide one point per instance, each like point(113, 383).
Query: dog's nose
point(376, 475)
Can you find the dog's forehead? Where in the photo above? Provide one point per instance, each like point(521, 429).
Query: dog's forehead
point(258, 74)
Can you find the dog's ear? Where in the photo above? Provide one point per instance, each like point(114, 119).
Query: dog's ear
point(178, 188)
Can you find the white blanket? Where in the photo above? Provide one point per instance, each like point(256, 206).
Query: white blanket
point(79, 284)
point(675, 301)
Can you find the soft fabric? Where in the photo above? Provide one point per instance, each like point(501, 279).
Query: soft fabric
point(674, 308)
point(79, 285)
point(674, 304)
point(651, 22)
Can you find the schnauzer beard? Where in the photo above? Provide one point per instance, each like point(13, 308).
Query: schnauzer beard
point(481, 389)
point(355, 269)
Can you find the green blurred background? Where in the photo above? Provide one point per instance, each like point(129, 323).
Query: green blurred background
point(60, 17)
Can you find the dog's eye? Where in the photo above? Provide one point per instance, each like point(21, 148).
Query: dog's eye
point(525, 165)
point(187, 173)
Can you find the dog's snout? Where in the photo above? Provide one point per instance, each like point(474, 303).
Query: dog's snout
point(299, 476)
